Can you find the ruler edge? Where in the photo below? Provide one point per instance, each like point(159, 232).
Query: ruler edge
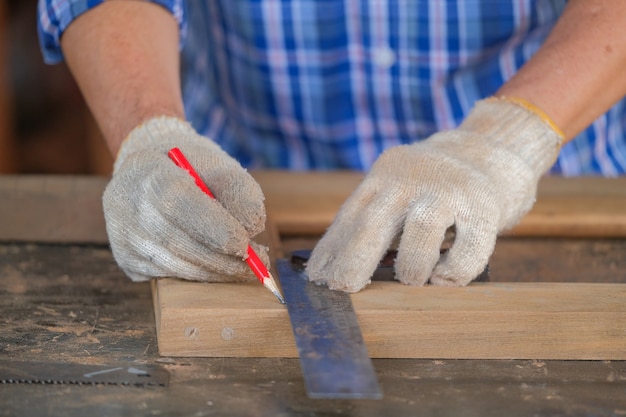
point(373, 389)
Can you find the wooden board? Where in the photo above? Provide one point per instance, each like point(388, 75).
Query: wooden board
point(305, 202)
point(577, 207)
point(480, 321)
point(69, 208)
point(52, 208)
point(487, 320)
point(572, 207)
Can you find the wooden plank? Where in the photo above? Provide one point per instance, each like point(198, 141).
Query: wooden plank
point(305, 202)
point(571, 207)
point(481, 321)
point(69, 209)
point(577, 207)
point(52, 208)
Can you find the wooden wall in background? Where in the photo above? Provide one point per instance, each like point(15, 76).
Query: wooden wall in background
point(7, 145)
point(45, 125)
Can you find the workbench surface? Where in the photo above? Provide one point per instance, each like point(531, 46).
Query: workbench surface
point(68, 303)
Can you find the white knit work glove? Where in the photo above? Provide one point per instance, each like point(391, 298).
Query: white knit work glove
point(480, 178)
point(160, 224)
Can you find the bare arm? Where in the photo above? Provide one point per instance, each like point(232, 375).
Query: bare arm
point(580, 72)
point(124, 56)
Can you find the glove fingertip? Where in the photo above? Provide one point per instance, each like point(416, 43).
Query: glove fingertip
point(445, 276)
point(415, 268)
point(342, 276)
point(349, 287)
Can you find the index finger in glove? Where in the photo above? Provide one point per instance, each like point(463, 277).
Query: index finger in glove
point(422, 236)
point(233, 187)
point(200, 217)
point(347, 255)
point(473, 245)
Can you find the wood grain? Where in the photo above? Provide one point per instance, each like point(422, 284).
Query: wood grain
point(52, 208)
point(577, 207)
point(481, 321)
point(572, 207)
point(305, 202)
point(69, 208)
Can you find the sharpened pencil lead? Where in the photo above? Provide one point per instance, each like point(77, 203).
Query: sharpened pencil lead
point(254, 262)
point(271, 285)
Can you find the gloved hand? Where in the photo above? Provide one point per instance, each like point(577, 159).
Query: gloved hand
point(160, 224)
point(480, 178)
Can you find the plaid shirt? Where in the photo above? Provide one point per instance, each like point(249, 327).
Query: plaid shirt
point(321, 84)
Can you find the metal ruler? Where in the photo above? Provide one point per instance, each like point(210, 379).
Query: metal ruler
point(333, 357)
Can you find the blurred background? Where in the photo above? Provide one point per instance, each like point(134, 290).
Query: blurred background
point(45, 126)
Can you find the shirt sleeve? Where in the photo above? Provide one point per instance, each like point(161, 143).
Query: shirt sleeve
point(54, 16)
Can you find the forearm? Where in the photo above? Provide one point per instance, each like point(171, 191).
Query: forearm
point(124, 57)
point(579, 72)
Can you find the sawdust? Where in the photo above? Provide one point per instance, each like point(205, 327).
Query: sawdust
point(87, 331)
point(133, 332)
point(91, 360)
point(49, 311)
point(76, 330)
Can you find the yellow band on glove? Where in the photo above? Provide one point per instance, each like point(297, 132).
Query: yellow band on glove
point(536, 110)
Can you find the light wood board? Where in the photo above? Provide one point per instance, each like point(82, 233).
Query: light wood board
point(481, 321)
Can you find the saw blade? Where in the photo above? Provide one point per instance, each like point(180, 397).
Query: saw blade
point(21, 372)
point(333, 356)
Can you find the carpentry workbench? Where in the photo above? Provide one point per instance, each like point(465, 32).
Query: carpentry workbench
point(64, 301)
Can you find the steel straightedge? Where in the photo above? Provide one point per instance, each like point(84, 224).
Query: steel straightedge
point(333, 357)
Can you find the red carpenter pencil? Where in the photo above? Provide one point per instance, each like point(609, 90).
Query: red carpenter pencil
point(253, 260)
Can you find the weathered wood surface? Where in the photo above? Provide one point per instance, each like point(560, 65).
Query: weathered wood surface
point(63, 303)
point(69, 209)
point(71, 304)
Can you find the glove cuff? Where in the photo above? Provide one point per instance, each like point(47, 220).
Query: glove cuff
point(151, 133)
point(518, 126)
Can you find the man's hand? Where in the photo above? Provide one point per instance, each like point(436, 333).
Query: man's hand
point(480, 179)
point(161, 224)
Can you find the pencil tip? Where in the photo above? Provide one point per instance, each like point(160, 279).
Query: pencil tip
point(271, 285)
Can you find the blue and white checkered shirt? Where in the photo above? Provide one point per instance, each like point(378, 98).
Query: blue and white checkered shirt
point(320, 84)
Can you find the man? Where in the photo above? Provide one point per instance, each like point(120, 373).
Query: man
point(341, 84)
